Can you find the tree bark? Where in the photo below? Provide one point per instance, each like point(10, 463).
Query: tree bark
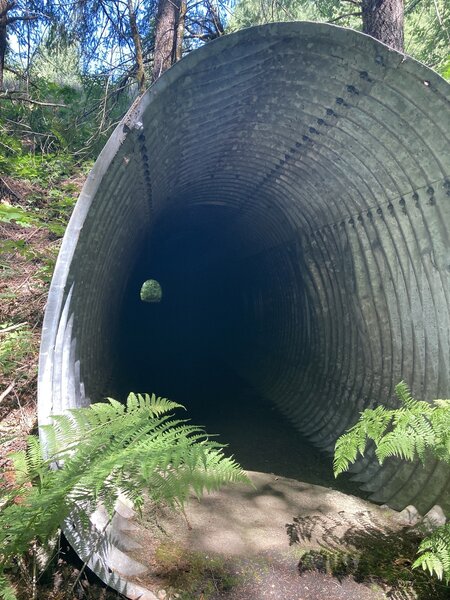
point(180, 30)
point(167, 19)
point(5, 7)
point(140, 72)
point(383, 20)
point(3, 37)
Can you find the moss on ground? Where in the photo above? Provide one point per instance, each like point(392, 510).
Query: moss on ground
point(193, 574)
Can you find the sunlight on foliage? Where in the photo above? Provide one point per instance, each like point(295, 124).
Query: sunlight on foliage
point(407, 432)
point(413, 431)
point(16, 214)
point(435, 553)
point(427, 33)
point(426, 30)
point(102, 451)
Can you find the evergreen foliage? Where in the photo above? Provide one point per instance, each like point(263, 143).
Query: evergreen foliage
point(90, 455)
point(68, 119)
point(427, 22)
point(413, 431)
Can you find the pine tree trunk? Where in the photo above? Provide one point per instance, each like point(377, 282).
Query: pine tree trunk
point(180, 30)
point(383, 20)
point(3, 37)
point(140, 73)
point(165, 36)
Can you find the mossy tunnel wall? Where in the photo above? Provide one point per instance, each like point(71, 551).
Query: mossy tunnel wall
point(289, 187)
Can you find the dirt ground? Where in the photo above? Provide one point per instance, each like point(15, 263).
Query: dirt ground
point(280, 539)
point(27, 256)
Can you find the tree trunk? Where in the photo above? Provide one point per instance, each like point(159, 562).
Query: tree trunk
point(383, 20)
point(180, 30)
point(165, 36)
point(140, 73)
point(3, 37)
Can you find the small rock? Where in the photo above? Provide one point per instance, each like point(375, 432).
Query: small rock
point(409, 515)
point(435, 517)
point(162, 594)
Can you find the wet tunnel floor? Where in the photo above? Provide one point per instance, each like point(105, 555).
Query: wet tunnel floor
point(258, 436)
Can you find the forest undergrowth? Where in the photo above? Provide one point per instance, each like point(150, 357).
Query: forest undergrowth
point(34, 214)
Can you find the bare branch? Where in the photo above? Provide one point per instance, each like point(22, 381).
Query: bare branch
point(13, 98)
point(16, 325)
point(352, 14)
point(14, 72)
point(200, 36)
point(22, 18)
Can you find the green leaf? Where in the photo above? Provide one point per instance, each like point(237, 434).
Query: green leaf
point(9, 213)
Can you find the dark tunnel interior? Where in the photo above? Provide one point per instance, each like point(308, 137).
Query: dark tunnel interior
point(218, 310)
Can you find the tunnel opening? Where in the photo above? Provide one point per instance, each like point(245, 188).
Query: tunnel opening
point(298, 230)
point(287, 186)
point(228, 309)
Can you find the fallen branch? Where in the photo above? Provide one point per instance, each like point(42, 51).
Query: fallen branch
point(12, 327)
point(6, 392)
point(9, 189)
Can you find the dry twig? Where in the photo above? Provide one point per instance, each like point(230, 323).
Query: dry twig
point(7, 391)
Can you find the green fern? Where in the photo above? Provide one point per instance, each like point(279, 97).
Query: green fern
point(435, 553)
point(371, 426)
point(6, 590)
point(412, 431)
point(407, 432)
point(101, 451)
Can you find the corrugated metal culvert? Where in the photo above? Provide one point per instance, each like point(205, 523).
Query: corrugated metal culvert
point(303, 172)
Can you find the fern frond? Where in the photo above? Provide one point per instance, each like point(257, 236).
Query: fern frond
point(34, 459)
point(346, 450)
point(7, 592)
point(371, 426)
point(434, 553)
point(20, 465)
point(105, 448)
point(403, 393)
point(156, 406)
point(412, 430)
point(396, 443)
point(408, 432)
